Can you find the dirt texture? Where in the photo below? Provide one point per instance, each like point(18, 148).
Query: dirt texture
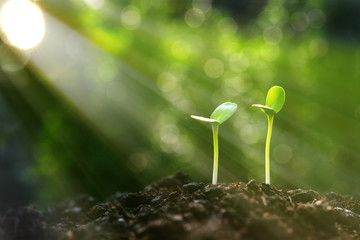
point(174, 209)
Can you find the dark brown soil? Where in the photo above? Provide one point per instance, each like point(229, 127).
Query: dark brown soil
point(174, 209)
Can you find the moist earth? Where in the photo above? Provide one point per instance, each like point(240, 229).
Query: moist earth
point(172, 208)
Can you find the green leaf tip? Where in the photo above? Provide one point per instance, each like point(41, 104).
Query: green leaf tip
point(224, 112)
point(275, 100)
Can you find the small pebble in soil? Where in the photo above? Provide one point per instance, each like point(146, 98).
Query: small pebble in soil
point(192, 187)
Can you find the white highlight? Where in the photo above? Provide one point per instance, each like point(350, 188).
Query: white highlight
point(23, 23)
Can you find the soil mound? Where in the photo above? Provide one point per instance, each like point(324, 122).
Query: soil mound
point(172, 208)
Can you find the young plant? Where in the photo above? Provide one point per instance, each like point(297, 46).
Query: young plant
point(219, 115)
point(275, 100)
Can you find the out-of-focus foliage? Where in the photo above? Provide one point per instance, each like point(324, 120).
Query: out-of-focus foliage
point(165, 60)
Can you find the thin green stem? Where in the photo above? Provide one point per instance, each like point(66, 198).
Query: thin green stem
point(267, 148)
point(215, 129)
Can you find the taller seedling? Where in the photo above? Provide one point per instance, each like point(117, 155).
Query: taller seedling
point(220, 115)
point(275, 100)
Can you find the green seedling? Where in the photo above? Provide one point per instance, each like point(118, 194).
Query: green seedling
point(220, 115)
point(275, 100)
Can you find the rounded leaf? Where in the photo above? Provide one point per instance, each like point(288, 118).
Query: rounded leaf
point(223, 112)
point(275, 98)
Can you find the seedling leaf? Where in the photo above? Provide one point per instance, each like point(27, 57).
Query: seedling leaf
point(224, 112)
point(204, 119)
point(275, 98)
point(267, 110)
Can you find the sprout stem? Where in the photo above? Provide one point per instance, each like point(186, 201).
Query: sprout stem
point(267, 148)
point(215, 129)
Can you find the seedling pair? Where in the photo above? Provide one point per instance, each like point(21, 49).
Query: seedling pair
point(274, 102)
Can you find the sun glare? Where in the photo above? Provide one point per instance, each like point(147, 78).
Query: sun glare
point(22, 23)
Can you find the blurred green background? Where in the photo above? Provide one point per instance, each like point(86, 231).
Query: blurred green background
point(103, 102)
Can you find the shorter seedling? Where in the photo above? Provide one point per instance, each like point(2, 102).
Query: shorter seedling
point(275, 100)
point(219, 115)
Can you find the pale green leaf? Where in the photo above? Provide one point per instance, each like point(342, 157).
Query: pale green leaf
point(224, 112)
point(265, 109)
point(203, 119)
point(275, 98)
